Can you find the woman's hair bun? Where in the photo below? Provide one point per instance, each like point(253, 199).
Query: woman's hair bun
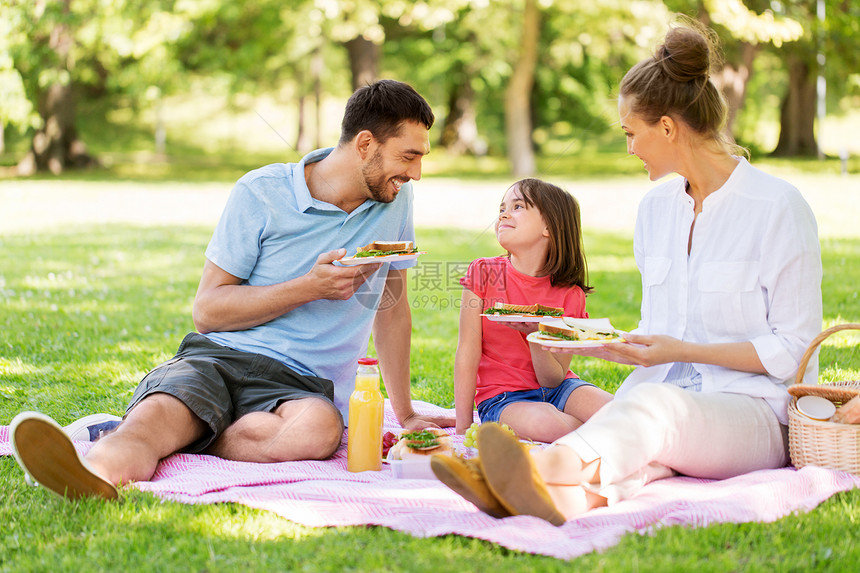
point(685, 55)
point(675, 81)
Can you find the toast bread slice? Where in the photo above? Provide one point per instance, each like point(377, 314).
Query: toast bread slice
point(387, 246)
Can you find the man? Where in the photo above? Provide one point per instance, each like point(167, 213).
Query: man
point(280, 326)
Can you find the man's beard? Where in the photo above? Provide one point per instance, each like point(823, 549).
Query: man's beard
point(377, 184)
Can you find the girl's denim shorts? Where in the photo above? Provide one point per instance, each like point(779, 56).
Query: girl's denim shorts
point(491, 409)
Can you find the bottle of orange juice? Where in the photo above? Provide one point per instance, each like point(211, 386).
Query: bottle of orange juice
point(364, 433)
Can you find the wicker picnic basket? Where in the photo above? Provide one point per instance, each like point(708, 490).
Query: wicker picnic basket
point(825, 444)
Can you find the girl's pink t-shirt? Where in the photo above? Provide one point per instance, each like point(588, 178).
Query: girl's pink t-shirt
point(506, 362)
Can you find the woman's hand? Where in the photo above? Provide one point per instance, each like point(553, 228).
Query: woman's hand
point(592, 352)
point(642, 350)
point(637, 350)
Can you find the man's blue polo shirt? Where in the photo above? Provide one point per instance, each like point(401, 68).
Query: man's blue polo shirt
point(272, 231)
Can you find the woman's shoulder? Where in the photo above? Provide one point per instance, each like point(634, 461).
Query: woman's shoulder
point(762, 184)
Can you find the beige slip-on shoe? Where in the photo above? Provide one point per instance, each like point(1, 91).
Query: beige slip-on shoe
point(45, 453)
point(466, 478)
point(512, 477)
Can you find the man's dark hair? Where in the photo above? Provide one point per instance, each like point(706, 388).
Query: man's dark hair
point(381, 108)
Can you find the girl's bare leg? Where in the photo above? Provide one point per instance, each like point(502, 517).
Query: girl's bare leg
point(538, 421)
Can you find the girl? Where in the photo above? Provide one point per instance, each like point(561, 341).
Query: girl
point(513, 381)
point(731, 279)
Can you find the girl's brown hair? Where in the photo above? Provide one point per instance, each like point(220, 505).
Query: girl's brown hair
point(565, 260)
point(676, 82)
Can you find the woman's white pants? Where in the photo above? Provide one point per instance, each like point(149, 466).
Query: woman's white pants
point(656, 430)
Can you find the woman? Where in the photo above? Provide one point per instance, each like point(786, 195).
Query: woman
point(731, 279)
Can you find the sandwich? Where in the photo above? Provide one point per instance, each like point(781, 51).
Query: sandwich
point(422, 443)
point(386, 248)
point(575, 329)
point(524, 310)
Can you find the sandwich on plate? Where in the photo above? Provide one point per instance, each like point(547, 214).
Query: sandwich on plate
point(577, 329)
point(422, 443)
point(386, 248)
point(501, 308)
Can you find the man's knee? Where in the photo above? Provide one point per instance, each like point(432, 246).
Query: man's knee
point(326, 426)
point(319, 423)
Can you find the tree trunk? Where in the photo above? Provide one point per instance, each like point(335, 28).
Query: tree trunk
point(732, 80)
point(460, 131)
point(160, 128)
point(302, 140)
point(56, 146)
point(317, 65)
point(364, 58)
point(797, 115)
point(518, 123)
point(309, 100)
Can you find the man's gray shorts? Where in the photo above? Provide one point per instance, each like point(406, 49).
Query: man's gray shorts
point(220, 384)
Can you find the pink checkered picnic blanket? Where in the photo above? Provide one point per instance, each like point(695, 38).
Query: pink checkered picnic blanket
point(319, 494)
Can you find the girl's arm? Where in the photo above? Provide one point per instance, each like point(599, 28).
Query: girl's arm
point(467, 359)
point(550, 367)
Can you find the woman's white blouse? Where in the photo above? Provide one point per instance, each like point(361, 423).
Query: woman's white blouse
point(753, 274)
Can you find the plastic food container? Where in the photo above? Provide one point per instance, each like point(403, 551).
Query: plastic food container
point(413, 467)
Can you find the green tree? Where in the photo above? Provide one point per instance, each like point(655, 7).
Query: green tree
point(586, 47)
point(745, 29)
point(49, 68)
point(503, 92)
point(791, 32)
point(15, 109)
point(518, 120)
point(460, 65)
point(830, 48)
point(255, 48)
point(360, 26)
point(66, 47)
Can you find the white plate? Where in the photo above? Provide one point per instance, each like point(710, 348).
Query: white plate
point(816, 407)
point(602, 324)
point(352, 261)
point(570, 343)
point(514, 318)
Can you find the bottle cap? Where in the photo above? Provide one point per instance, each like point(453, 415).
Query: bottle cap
point(368, 361)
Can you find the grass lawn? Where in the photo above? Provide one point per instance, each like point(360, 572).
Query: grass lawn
point(86, 311)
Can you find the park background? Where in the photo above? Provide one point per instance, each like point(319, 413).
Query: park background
point(134, 118)
point(518, 86)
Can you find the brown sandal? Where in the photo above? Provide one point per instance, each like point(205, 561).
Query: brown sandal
point(466, 478)
point(512, 476)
